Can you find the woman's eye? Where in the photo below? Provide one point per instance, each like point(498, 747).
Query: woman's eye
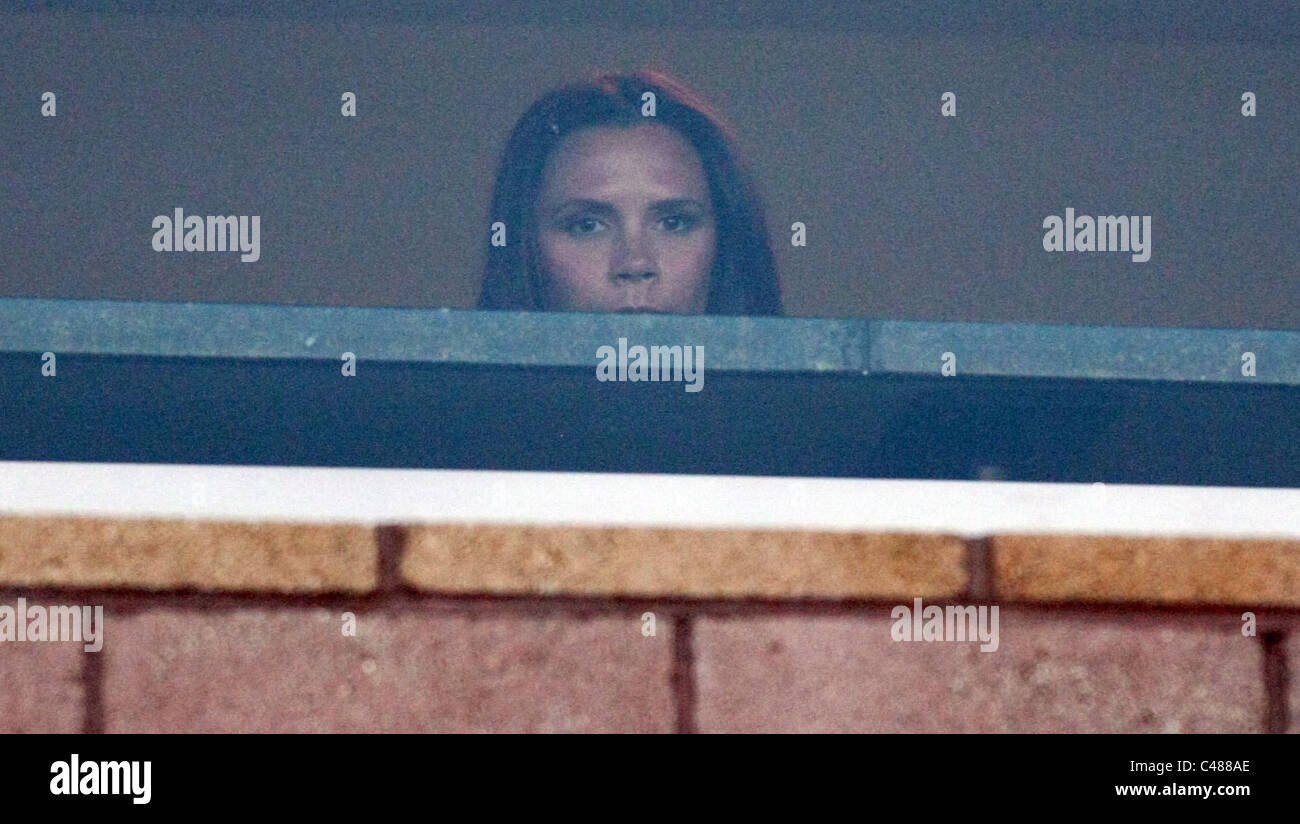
point(679, 224)
point(582, 226)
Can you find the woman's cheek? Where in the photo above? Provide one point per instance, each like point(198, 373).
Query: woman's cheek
point(700, 264)
point(577, 270)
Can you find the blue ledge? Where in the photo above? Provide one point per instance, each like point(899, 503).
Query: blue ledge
point(255, 384)
point(454, 336)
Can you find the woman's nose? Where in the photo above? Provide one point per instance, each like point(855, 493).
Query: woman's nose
point(634, 263)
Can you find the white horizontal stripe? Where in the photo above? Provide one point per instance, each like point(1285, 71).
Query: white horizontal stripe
point(322, 495)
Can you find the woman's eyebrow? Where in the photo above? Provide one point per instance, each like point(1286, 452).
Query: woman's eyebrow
point(678, 203)
point(602, 207)
point(583, 204)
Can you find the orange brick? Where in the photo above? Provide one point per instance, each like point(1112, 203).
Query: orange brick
point(1161, 570)
point(157, 555)
point(696, 563)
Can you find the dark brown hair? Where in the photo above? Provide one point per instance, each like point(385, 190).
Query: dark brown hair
point(743, 280)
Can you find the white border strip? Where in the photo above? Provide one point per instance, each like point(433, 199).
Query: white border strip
point(374, 496)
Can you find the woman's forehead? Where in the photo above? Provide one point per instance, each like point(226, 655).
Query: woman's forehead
point(609, 159)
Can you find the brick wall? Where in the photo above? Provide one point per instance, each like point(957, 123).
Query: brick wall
point(239, 627)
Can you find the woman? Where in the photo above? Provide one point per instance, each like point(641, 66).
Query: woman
point(608, 207)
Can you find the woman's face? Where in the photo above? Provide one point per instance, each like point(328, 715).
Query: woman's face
point(626, 222)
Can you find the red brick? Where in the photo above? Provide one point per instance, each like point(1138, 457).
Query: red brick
point(1291, 653)
point(41, 685)
point(1051, 673)
point(292, 670)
